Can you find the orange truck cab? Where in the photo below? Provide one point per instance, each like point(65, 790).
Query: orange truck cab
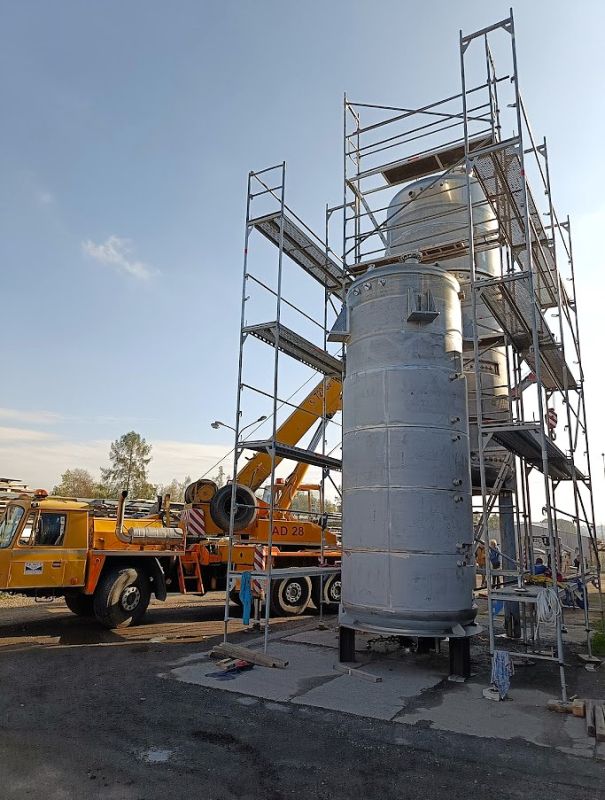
point(109, 567)
point(103, 567)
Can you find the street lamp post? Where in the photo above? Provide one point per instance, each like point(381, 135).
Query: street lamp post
point(218, 424)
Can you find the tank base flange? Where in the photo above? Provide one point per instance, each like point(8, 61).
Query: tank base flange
point(459, 626)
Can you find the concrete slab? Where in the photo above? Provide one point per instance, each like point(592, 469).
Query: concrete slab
point(401, 680)
point(310, 678)
point(413, 691)
point(308, 667)
point(524, 715)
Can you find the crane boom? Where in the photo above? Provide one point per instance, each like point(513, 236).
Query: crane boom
point(297, 476)
point(258, 468)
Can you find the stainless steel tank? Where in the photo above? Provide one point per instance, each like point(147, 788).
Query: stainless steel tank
point(407, 565)
point(431, 215)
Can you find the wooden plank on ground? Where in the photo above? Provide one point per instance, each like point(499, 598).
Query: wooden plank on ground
point(599, 722)
point(252, 656)
point(559, 706)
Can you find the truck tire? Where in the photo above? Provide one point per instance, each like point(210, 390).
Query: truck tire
point(245, 513)
point(331, 593)
point(290, 596)
point(80, 604)
point(122, 597)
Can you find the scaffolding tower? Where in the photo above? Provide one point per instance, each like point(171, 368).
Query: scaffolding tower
point(292, 288)
point(529, 289)
point(526, 308)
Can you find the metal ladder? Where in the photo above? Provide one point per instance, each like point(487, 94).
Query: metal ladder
point(188, 560)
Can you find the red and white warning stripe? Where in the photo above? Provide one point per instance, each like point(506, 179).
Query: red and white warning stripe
point(260, 565)
point(194, 521)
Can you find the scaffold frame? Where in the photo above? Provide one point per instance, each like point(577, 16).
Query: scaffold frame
point(293, 244)
point(477, 133)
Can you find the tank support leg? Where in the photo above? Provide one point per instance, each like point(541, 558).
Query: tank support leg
point(460, 658)
point(512, 613)
point(425, 645)
point(346, 644)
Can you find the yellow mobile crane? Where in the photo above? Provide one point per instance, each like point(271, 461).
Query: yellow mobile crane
point(204, 493)
point(108, 568)
point(296, 541)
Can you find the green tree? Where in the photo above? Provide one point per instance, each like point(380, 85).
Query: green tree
point(493, 521)
point(563, 525)
point(220, 478)
point(332, 507)
point(176, 489)
point(129, 458)
point(77, 483)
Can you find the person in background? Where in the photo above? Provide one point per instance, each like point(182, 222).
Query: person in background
point(495, 559)
point(576, 560)
point(540, 567)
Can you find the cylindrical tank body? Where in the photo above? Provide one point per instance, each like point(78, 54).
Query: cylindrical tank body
point(408, 563)
point(431, 214)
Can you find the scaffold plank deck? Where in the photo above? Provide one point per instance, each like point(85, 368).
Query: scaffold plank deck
point(291, 343)
point(291, 572)
point(455, 248)
point(525, 442)
point(500, 174)
point(510, 302)
point(300, 247)
point(432, 161)
point(292, 453)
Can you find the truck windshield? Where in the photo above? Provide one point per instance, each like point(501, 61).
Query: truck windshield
point(9, 524)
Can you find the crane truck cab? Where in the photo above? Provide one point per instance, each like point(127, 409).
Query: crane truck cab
point(103, 567)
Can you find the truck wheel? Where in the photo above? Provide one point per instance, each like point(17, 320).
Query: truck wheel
point(331, 593)
point(290, 596)
point(245, 513)
point(80, 604)
point(122, 597)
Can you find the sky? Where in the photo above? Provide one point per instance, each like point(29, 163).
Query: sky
point(128, 132)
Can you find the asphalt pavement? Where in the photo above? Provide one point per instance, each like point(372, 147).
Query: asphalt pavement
point(93, 720)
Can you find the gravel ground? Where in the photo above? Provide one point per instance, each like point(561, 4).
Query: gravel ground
point(83, 721)
point(15, 601)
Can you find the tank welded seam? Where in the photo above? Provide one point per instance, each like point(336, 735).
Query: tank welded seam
point(440, 619)
point(408, 551)
point(390, 425)
point(403, 368)
point(399, 270)
point(410, 488)
point(437, 334)
point(389, 519)
point(446, 370)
